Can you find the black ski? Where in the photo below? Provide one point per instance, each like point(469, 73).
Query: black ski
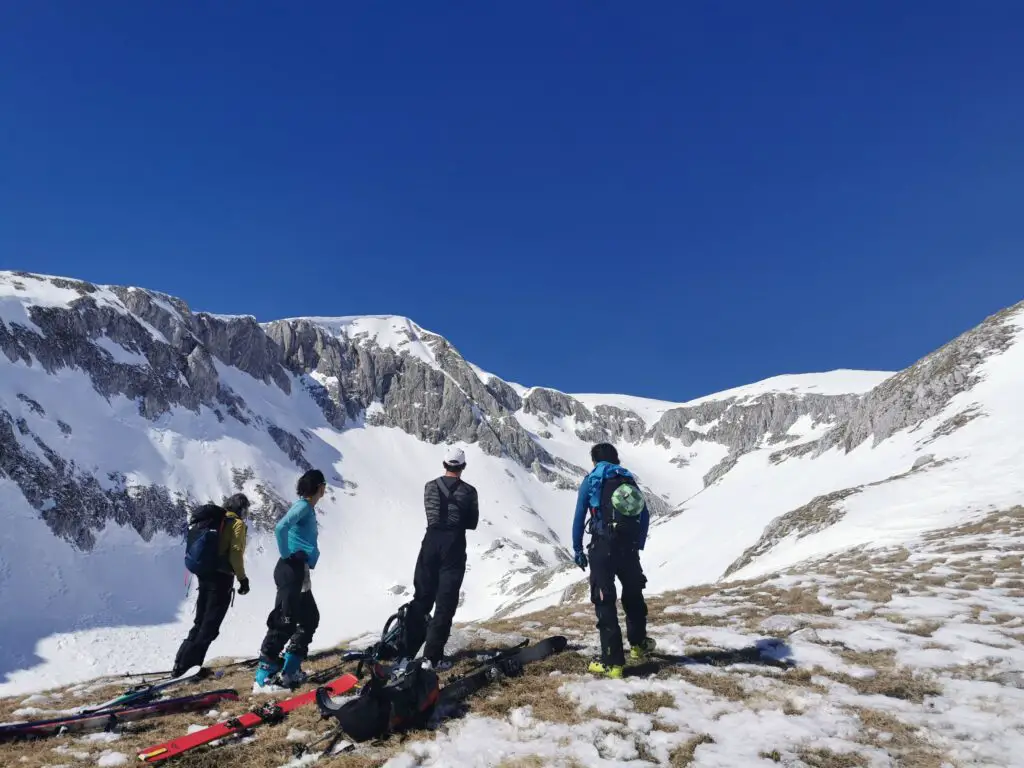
point(507, 664)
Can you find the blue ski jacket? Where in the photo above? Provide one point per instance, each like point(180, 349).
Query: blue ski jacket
point(296, 532)
point(589, 496)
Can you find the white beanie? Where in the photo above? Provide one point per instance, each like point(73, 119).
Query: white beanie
point(455, 456)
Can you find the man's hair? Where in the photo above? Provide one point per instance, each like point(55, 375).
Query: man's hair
point(238, 503)
point(456, 468)
point(604, 452)
point(309, 483)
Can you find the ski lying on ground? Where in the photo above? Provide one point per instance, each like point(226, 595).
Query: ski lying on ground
point(109, 720)
point(271, 712)
point(146, 691)
point(506, 664)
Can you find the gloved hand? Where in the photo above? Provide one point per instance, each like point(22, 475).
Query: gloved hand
point(581, 560)
point(243, 586)
point(299, 556)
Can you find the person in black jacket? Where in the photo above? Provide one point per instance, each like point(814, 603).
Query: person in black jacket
point(452, 509)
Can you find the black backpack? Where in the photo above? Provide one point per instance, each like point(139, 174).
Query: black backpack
point(392, 700)
point(395, 639)
point(202, 542)
point(622, 503)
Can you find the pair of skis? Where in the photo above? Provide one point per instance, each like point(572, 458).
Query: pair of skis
point(100, 721)
point(136, 703)
point(147, 691)
point(270, 712)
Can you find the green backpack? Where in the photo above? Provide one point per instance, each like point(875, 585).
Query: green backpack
point(622, 502)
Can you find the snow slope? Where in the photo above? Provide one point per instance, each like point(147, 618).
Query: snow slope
point(121, 605)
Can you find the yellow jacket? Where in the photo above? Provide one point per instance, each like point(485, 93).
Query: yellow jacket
point(232, 544)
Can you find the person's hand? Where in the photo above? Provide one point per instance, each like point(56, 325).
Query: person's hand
point(581, 560)
point(243, 586)
point(300, 556)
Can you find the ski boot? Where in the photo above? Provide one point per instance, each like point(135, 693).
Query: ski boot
point(642, 650)
point(267, 671)
point(613, 671)
point(292, 675)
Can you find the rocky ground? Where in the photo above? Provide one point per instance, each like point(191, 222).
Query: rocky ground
point(910, 657)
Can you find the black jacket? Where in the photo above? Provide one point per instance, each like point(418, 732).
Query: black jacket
point(459, 511)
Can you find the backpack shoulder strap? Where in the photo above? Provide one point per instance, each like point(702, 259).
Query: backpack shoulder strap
point(448, 493)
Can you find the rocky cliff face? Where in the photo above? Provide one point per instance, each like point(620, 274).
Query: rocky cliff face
point(921, 391)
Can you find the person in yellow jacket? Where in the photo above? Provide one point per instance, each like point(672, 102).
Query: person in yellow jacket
point(216, 590)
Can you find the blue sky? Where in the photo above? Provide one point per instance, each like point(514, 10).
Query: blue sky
point(727, 190)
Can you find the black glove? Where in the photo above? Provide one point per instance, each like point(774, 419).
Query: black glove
point(299, 557)
point(243, 586)
point(581, 560)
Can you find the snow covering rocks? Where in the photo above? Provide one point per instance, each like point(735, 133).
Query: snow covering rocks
point(111, 759)
point(100, 738)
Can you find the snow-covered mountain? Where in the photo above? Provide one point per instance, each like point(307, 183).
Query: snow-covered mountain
point(120, 408)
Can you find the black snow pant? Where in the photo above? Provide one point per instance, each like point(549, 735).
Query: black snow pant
point(211, 607)
point(295, 616)
point(610, 559)
point(440, 567)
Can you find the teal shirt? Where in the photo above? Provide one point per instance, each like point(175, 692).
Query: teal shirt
point(296, 532)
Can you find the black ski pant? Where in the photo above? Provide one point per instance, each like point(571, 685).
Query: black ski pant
point(440, 568)
point(611, 559)
point(211, 607)
point(295, 616)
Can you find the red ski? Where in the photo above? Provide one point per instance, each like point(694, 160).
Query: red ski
point(271, 712)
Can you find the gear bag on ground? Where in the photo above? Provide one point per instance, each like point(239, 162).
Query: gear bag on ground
point(392, 700)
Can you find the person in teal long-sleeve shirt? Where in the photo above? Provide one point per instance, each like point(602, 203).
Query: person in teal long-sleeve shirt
point(295, 616)
point(296, 532)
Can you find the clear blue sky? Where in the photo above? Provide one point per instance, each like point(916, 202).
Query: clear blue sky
point(731, 190)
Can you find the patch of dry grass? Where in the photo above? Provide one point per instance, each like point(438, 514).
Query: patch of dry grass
point(880, 660)
point(1009, 563)
point(791, 709)
point(896, 683)
point(922, 628)
point(720, 684)
point(826, 758)
point(593, 713)
point(683, 754)
point(904, 742)
point(661, 725)
point(649, 702)
point(696, 619)
point(526, 761)
point(797, 600)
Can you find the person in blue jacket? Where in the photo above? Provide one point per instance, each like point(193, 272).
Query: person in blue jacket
point(295, 616)
point(612, 506)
